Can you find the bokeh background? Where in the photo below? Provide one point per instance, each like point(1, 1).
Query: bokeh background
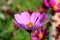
point(8, 29)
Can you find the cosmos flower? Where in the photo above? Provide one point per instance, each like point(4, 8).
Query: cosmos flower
point(41, 34)
point(52, 4)
point(37, 35)
point(30, 22)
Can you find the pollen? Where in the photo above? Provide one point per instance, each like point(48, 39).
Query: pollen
point(40, 35)
point(30, 25)
point(55, 7)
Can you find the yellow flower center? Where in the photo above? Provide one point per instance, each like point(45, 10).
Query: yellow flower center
point(30, 25)
point(55, 7)
point(40, 35)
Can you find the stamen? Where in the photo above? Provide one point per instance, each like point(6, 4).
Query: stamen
point(40, 35)
point(55, 7)
point(30, 25)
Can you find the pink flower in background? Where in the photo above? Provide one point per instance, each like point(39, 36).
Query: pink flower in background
point(30, 22)
point(49, 3)
point(41, 9)
point(37, 35)
point(46, 3)
point(52, 4)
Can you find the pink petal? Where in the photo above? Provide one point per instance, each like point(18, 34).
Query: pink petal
point(38, 21)
point(18, 18)
point(46, 3)
point(36, 31)
point(52, 2)
point(34, 16)
point(34, 38)
point(43, 17)
point(59, 5)
point(33, 34)
point(24, 18)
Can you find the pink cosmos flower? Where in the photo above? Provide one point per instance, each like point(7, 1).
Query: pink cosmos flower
point(30, 22)
point(41, 34)
point(37, 35)
point(52, 4)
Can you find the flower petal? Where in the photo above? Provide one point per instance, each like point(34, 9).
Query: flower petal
point(40, 21)
point(43, 18)
point(22, 26)
point(24, 18)
point(59, 6)
point(52, 2)
point(34, 38)
point(46, 3)
point(18, 18)
point(34, 16)
point(34, 33)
